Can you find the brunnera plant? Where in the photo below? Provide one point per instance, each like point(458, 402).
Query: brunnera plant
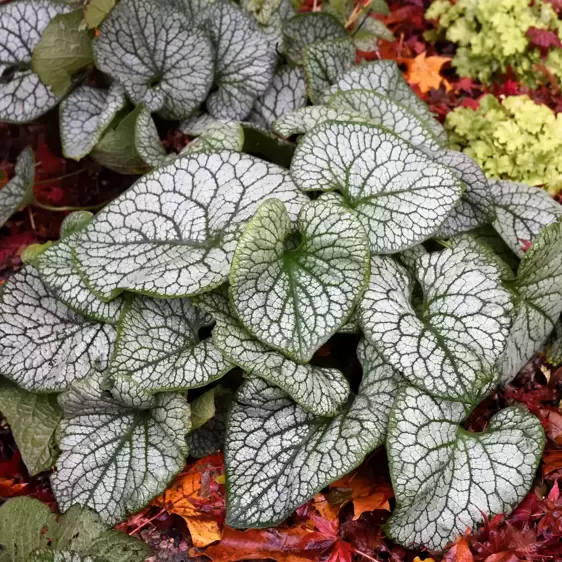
point(318, 197)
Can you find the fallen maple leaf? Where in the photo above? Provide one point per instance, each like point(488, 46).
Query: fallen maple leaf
point(425, 72)
point(460, 552)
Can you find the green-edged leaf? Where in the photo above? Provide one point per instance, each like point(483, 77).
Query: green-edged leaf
point(317, 390)
point(96, 11)
point(278, 456)
point(64, 49)
point(446, 479)
point(449, 343)
point(116, 459)
point(538, 299)
point(193, 9)
point(45, 346)
point(47, 555)
point(59, 274)
point(384, 77)
point(18, 192)
point(23, 97)
point(382, 110)
point(223, 136)
point(400, 195)
point(85, 115)
point(115, 546)
point(261, 10)
point(203, 408)
point(162, 60)
point(244, 61)
point(33, 419)
point(158, 349)
point(305, 29)
point(147, 140)
point(324, 63)
point(173, 233)
point(488, 236)
point(286, 93)
point(366, 36)
point(522, 212)
point(295, 296)
point(554, 348)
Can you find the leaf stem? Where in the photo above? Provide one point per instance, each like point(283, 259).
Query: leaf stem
point(96, 207)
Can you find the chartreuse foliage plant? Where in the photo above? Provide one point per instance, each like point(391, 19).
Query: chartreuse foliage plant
point(281, 225)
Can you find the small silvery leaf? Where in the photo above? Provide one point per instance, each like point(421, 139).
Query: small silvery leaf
point(161, 60)
point(554, 348)
point(244, 61)
point(114, 459)
point(522, 212)
point(23, 97)
point(278, 456)
point(305, 29)
point(19, 190)
point(286, 93)
point(447, 480)
point(158, 349)
point(213, 135)
point(47, 555)
point(85, 115)
point(324, 63)
point(147, 141)
point(400, 195)
point(173, 233)
point(450, 343)
point(295, 298)
point(366, 36)
point(261, 10)
point(45, 346)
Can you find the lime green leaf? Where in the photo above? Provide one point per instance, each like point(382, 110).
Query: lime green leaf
point(96, 11)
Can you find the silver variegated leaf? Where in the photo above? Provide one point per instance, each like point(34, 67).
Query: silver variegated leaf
point(244, 60)
point(449, 343)
point(295, 297)
point(173, 233)
point(286, 93)
point(147, 141)
point(522, 212)
point(114, 459)
point(324, 63)
point(447, 480)
point(162, 60)
point(158, 349)
point(278, 456)
point(193, 9)
point(554, 348)
point(85, 115)
point(213, 135)
point(45, 346)
point(23, 97)
point(19, 190)
point(400, 195)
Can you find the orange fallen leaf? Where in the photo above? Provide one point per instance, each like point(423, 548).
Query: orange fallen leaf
point(426, 72)
point(203, 532)
point(378, 500)
point(552, 460)
point(460, 552)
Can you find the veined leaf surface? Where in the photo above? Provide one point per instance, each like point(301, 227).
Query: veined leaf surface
point(147, 141)
point(19, 190)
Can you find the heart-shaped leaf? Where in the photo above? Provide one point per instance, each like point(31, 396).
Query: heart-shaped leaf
point(147, 141)
point(400, 195)
point(85, 115)
point(522, 212)
point(447, 480)
point(278, 456)
point(158, 349)
point(449, 343)
point(286, 93)
point(45, 346)
point(162, 60)
point(294, 295)
point(23, 97)
point(245, 61)
point(173, 233)
point(116, 459)
point(18, 192)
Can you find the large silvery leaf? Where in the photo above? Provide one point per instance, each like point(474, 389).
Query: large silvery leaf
point(400, 195)
point(19, 190)
point(317, 390)
point(173, 233)
point(45, 346)
point(244, 62)
point(286, 93)
point(278, 456)
point(449, 343)
point(446, 479)
point(158, 348)
point(293, 297)
point(538, 299)
point(161, 60)
point(522, 212)
point(33, 419)
point(85, 115)
point(116, 459)
point(23, 97)
point(305, 29)
point(324, 63)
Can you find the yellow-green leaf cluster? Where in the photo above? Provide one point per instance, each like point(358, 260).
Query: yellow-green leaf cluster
point(514, 139)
